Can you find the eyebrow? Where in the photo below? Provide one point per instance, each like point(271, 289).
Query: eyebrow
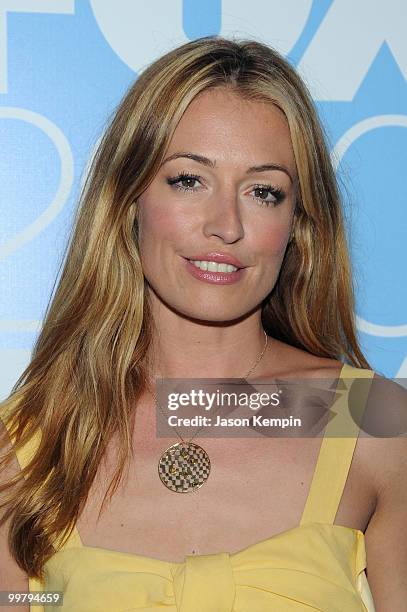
point(208, 162)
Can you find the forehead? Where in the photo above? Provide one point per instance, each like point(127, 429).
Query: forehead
point(222, 125)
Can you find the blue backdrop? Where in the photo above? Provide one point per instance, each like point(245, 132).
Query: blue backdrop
point(64, 65)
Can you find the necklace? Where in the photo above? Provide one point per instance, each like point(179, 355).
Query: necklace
point(185, 466)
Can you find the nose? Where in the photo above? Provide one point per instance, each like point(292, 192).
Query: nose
point(223, 218)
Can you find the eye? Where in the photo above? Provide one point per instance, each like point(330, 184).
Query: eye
point(186, 178)
point(184, 181)
point(276, 193)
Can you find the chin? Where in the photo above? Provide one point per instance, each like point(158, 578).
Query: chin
point(214, 313)
point(205, 309)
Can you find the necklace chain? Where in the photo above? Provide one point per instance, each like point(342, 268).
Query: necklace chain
point(259, 357)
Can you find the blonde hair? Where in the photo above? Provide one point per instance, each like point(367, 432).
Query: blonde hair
point(88, 366)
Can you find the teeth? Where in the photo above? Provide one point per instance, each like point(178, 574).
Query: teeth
point(212, 266)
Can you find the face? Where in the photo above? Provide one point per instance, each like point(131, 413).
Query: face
point(211, 201)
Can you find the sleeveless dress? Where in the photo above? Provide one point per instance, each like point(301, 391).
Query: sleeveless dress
point(314, 566)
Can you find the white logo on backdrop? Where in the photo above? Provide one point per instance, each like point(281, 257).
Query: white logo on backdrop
point(380, 121)
point(65, 181)
point(346, 43)
point(140, 35)
point(334, 64)
point(25, 6)
point(14, 361)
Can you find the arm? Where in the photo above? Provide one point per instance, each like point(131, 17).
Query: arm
point(386, 533)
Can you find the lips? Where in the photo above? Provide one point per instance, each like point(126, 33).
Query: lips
point(218, 257)
point(214, 278)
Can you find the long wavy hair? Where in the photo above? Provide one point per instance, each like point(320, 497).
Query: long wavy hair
point(89, 366)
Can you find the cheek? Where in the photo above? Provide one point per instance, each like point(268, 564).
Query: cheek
point(273, 241)
point(159, 229)
point(152, 225)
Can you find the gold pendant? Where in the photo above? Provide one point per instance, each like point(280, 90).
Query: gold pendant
point(184, 467)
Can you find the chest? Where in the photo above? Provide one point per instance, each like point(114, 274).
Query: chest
point(256, 489)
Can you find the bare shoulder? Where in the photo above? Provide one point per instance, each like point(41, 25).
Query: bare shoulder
point(285, 359)
point(383, 436)
point(381, 449)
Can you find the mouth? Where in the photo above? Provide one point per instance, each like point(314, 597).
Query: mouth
point(213, 272)
point(214, 266)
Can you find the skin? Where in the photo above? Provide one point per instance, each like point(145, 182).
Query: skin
point(219, 214)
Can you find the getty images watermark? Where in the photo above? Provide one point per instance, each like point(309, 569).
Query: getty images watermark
point(210, 401)
point(289, 407)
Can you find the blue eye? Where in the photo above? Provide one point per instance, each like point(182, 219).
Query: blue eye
point(277, 193)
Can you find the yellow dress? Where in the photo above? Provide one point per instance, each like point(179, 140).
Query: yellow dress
point(314, 566)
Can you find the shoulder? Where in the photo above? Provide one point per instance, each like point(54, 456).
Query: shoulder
point(284, 359)
point(381, 449)
point(384, 431)
point(383, 436)
point(382, 443)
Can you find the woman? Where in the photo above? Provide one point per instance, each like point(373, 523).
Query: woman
point(215, 156)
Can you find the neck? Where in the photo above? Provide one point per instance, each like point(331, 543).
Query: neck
point(183, 348)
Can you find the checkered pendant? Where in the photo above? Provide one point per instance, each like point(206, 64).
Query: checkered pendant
point(184, 467)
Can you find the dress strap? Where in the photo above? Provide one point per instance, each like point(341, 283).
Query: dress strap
point(24, 456)
point(25, 453)
point(337, 448)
